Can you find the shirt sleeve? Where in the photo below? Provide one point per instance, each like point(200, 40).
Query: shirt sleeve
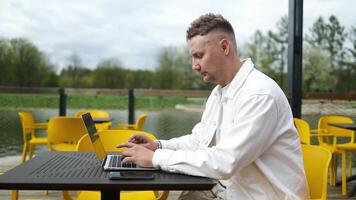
point(241, 144)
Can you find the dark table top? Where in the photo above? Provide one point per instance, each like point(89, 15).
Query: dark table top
point(82, 171)
point(345, 126)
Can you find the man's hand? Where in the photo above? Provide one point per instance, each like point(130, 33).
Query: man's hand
point(143, 140)
point(137, 154)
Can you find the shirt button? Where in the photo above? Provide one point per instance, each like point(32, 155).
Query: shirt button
point(214, 123)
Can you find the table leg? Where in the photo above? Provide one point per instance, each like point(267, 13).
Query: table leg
point(110, 195)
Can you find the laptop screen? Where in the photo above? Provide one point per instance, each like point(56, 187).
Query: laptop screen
point(90, 126)
point(94, 137)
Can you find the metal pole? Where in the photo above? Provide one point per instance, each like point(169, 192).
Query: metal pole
point(131, 106)
point(62, 102)
point(295, 53)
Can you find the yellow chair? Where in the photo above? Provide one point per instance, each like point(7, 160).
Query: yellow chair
point(97, 114)
point(305, 135)
point(64, 133)
point(29, 128)
point(303, 129)
point(140, 121)
point(316, 163)
point(110, 139)
point(349, 146)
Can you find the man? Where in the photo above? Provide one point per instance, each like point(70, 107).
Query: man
point(246, 137)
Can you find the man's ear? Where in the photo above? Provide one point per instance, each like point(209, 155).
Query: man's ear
point(225, 46)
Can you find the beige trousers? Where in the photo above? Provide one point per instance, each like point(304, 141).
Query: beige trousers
point(217, 193)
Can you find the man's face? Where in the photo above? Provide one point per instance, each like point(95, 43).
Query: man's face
point(206, 57)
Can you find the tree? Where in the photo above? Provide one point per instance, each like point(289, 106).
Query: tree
point(74, 72)
point(261, 52)
point(330, 37)
point(109, 74)
point(24, 64)
point(7, 60)
point(164, 76)
point(317, 74)
point(349, 63)
point(279, 47)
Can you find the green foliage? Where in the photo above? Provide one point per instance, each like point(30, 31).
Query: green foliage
point(316, 70)
point(326, 61)
point(329, 36)
point(175, 71)
point(22, 64)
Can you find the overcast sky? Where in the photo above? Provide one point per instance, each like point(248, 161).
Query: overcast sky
point(135, 31)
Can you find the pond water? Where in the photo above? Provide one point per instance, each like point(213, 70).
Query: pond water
point(164, 124)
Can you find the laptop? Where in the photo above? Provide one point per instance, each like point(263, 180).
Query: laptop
point(110, 162)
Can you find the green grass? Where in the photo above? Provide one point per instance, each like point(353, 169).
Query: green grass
point(86, 101)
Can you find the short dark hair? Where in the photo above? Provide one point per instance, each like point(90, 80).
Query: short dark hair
point(208, 22)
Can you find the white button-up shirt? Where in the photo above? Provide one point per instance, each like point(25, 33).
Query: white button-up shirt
point(258, 153)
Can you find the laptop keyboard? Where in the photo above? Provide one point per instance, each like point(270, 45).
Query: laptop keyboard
point(115, 161)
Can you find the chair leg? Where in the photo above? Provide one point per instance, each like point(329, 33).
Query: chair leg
point(343, 174)
point(335, 170)
point(66, 195)
point(14, 195)
point(350, 164)
point(331, 171)
point(32, 147)
point(24, 152)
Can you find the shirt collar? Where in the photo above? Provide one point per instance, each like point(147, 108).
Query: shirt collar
point(238, 80)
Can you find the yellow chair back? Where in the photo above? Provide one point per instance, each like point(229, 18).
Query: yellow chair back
point(316, 164)
point(65, 132)
point(97, 114)
point(303, 129)
point(94, 113)
point(29, 136)
point(110, 139)
point(27, 122)
point(324, 127)
point(140, 122)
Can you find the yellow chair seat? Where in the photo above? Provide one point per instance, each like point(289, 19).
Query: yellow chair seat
point(39, 141)
point(127, 195)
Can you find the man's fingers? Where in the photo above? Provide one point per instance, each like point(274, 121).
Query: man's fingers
point(126, 144)
point(133, 139)
point(128, 159)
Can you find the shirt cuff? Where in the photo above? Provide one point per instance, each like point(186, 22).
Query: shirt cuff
point(164, 144)
point(156, 159)
point(159, 159)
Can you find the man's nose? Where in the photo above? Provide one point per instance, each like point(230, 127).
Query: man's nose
point(196, 67)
